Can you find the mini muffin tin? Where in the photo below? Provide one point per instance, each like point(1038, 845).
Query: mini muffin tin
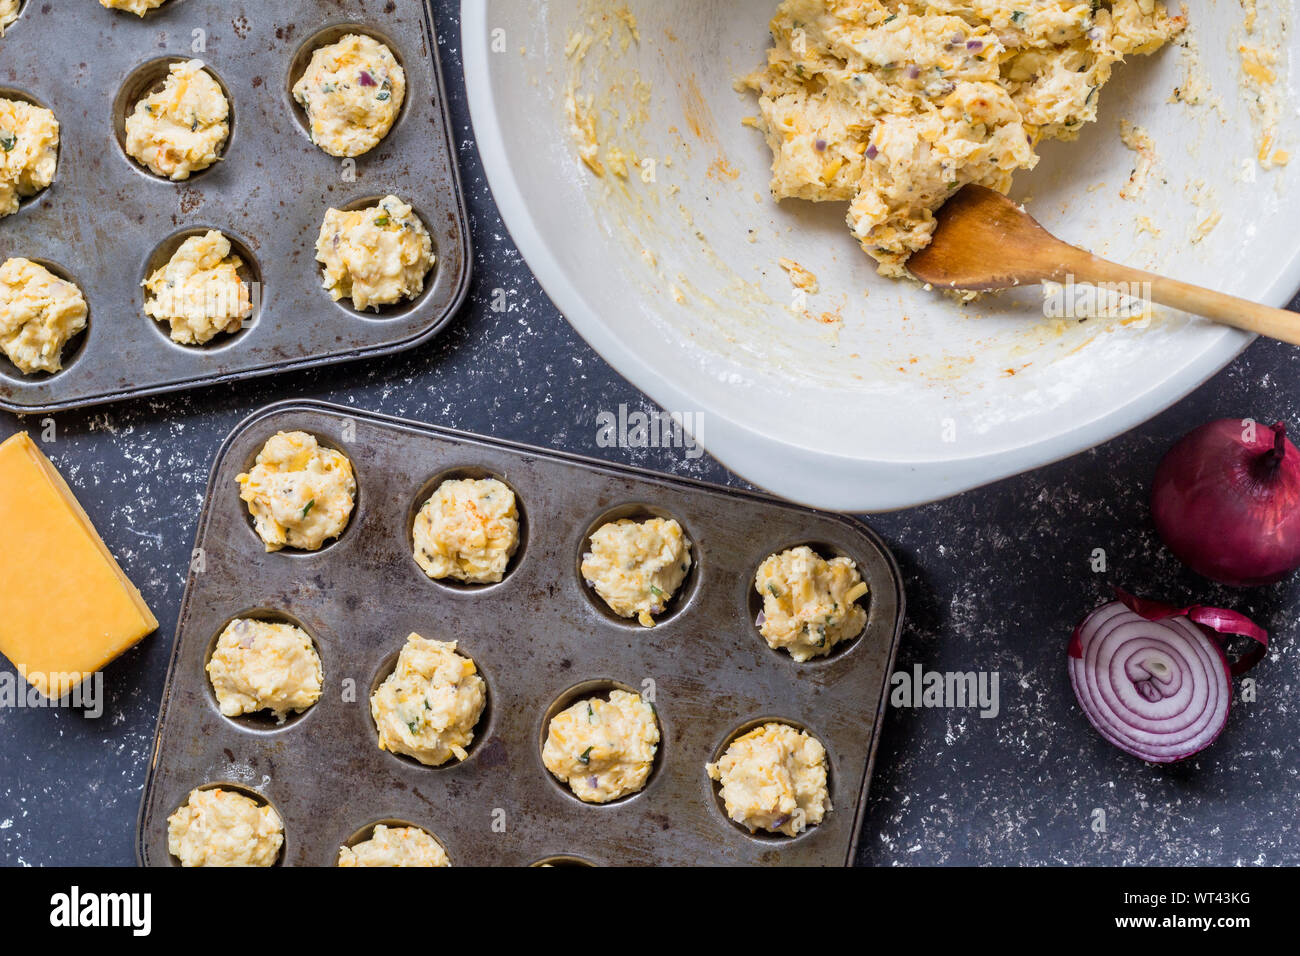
point(540, 641)
point(106, 222)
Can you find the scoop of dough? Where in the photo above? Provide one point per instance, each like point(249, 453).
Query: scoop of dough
point(774, 778)
point(222, 828)
point(29, 152)
point(894, 107)
point(395, 846)
point(637, 566)
point(468, 530)
point(299, 493)
point(8, 13)
point(374, 256)
point(39, 313)
point(352, 92)
point(603, 749)
point(199, 291)
point(428, 707)
point(809, 603)
point(181, 129)
point(138, 7)
point(258, 665)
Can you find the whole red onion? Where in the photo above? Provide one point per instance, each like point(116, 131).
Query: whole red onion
point(1226, 500)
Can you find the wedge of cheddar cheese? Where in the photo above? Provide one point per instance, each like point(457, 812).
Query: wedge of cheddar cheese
point(66, 608)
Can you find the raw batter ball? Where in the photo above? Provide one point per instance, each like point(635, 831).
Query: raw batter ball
point(258, 665)
point(603, 749)
point(428, 707)
point(374, 256)
point(893, 106)
point(637, 566)
point(29, 152)
point(138, 7)
point(395, 846)
point(352, 92)
point(774, 778)
point(222, 828)
point(809, 603)
point(299, 493)
point(39, 313)
point(181, 129)
point(468, 530)
point(8, 13)
point(199, 291)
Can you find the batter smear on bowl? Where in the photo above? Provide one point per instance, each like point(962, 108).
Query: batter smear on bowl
point(894, 106)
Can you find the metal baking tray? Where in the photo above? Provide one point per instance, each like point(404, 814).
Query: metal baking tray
point(539, 637)
point(107, 223)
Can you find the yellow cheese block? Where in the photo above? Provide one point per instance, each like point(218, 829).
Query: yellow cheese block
point(66, 608)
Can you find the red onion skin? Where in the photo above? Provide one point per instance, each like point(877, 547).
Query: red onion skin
point(1229, 508)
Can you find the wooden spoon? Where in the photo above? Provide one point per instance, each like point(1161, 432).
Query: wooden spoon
point(985, 241)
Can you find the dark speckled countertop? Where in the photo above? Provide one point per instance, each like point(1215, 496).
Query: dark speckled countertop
point(995, 579)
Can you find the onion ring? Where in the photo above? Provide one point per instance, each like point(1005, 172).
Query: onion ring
point(1153, 679)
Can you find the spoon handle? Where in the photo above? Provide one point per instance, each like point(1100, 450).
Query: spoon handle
point(1219, 307)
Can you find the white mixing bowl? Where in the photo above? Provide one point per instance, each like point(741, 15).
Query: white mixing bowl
point(877, 394)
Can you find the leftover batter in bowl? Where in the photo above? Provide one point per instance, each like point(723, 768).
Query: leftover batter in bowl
point(467, 530)
point(8, 13)
point(893, 106)
point(223, 828)
point(395, 846)
point(637, 566)
point(138, 7)
point(603, 749)
point(39, 313)
point(774, 778)
point(299, 493)
point(199, 292)
point(260, 665)
point(809, 603)
point(181, 129)
point(351, 92)
point(431, 703)
point(375, 256)
point(29, 152)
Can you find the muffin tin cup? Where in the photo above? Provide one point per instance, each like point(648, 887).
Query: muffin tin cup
point(105, 215)
point(536, 635)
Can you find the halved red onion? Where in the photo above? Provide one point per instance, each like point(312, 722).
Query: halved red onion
point(1153, 679)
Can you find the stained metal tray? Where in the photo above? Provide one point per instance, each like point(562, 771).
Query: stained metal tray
point(107, 223)
point(539, 637)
